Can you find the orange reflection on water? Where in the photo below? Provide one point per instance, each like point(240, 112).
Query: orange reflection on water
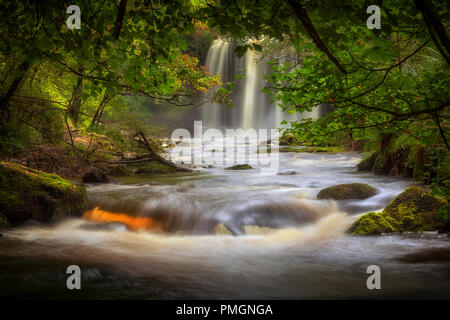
point(133, 222)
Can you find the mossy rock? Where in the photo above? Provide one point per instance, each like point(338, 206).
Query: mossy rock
point(417, 210)
point(151, 168)
point(347, 191)
point(239, 167)
point(368, 162)
point(373, 223)
point(414, 210)
point(27, 193)
point(382, 164)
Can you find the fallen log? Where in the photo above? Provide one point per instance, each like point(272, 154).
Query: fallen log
point(152, 156)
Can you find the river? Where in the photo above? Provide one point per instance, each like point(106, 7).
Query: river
point(288, 245)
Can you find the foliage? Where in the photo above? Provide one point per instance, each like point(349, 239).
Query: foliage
point(77, 81)
point(388, 81)
point(89, 87)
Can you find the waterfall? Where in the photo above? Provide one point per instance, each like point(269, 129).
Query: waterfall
point(253, 108)
point(216, 61)
point(250, 87)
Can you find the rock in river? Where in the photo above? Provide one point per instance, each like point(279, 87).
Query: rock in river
point(414, 210)
point(239, 167)
point(27, 193)
point(347, 191)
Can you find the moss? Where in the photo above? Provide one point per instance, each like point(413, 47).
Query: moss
point(347, 191)
point(414, 210)
point(27, 193)
point(417, 210)
point(239, 167)
point(313, 149)
point(289, 149)
point(382, 164)
point(152, 168)
point(372, 224)
point(120, 171)
point(367, 163)
point(144, 168)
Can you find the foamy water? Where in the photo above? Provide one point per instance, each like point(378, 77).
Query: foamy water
point(170, 237)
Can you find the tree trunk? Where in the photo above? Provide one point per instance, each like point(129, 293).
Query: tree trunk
point(119, 19)
point(419, 164)
point(385, 140)
point(4, 102)
point(99, 112)
point(75, 102)
point(153, 155)
point(435, 27)
point(303, 16)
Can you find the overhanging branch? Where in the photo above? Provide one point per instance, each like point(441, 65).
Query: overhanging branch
point(303, 16)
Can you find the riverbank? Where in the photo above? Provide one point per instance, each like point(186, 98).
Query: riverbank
point(316, 259)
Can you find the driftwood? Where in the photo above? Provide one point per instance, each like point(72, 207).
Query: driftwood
point(152, 156)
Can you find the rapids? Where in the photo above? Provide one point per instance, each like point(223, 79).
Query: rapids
point(169, 236)
point(216, 233)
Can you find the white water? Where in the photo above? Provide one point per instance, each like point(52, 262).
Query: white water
point(291, 245)
point(253, 108)
point(310, 259)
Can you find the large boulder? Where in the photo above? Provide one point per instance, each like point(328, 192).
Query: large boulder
point(347, 191)
point(413, 210)
point(27, 193)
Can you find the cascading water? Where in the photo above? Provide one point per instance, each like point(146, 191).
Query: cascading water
point(253, 108)
point(171, 236)
point(217, 59)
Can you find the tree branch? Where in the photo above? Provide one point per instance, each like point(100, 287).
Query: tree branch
point(119, 19)
point(303, 16)
point(435, 27)
point(441, 131)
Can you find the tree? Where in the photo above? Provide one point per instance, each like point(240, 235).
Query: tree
point(133, 48)
point(387, 79)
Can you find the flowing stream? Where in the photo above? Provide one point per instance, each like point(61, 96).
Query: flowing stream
point(227, 234)
point(169, 237)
